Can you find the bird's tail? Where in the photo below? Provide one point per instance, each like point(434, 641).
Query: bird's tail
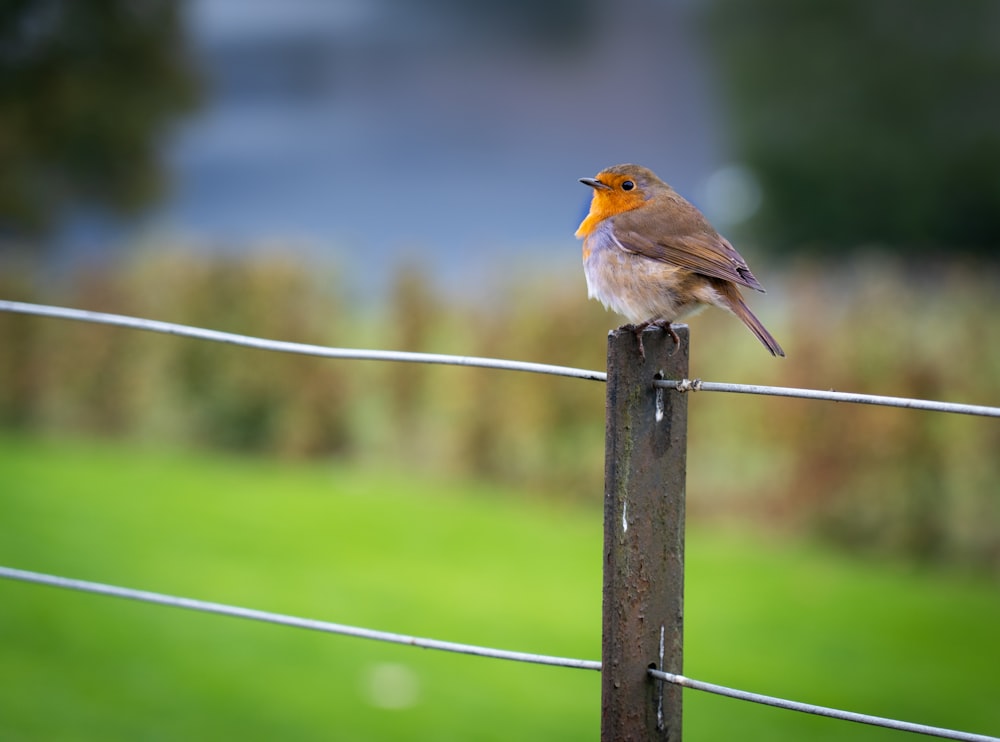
point(737, 306)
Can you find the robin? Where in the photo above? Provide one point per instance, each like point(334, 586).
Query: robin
point(651, 256)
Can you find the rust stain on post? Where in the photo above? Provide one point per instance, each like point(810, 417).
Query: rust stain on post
point(645, 466)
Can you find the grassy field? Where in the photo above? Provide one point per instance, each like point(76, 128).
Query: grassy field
point(450, 560)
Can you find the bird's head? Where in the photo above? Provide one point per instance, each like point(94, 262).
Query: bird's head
point(617, 189)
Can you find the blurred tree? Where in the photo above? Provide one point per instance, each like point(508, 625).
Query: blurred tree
point(86, 89)
point(867, 121)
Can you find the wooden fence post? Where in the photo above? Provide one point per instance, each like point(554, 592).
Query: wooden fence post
point(644, 487)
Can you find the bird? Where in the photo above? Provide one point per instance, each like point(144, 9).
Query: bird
point(652, 256)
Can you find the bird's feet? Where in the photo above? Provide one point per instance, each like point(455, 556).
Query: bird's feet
point(639, 328)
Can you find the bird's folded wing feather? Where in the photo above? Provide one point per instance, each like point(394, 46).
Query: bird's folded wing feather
point(685, 239)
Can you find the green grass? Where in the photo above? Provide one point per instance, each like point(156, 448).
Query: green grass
point(456, 561)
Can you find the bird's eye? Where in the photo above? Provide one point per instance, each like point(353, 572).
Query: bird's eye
point(628, 185)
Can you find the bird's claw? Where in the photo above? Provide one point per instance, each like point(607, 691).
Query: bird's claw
point(672, 332)
point(637, 330)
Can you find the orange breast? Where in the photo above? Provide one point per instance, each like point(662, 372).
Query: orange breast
point(606, 204)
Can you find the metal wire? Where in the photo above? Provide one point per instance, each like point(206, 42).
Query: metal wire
point(682, 385)
point(808, 708)
point(469, 649)
point(302, 623)
point(697, 385)
point(357, 354)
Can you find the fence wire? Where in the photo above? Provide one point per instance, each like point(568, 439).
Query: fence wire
point(358, 354)
point(145, 596)
point(682, 385)
point(697, 385)
point(808, 708)
point(281, 346)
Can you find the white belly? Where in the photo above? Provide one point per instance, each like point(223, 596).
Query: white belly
point(640, 289)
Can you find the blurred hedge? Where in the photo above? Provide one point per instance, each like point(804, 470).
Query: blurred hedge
point(918, 484)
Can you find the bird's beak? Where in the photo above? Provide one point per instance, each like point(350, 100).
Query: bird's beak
point(595, 183)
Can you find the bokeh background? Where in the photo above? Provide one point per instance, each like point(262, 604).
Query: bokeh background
point(401, 174)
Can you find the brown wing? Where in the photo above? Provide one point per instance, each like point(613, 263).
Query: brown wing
point(678, 234)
